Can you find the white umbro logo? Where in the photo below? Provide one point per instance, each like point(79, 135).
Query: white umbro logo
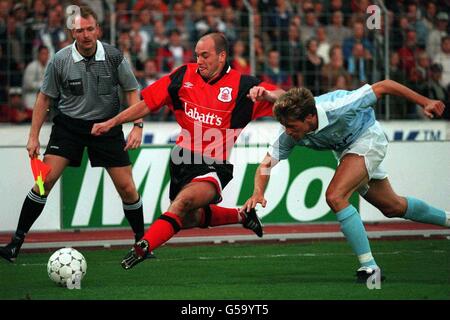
point(54, 147)
point(188, 85)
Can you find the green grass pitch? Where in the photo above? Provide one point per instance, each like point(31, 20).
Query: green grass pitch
point(415, 269)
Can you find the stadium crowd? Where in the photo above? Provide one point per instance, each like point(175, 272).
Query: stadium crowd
point(323, 45)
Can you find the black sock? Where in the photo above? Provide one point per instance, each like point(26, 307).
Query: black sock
point(31, 209)
point(135, 216)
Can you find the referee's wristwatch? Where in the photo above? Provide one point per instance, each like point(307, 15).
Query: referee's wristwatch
point(139, 124)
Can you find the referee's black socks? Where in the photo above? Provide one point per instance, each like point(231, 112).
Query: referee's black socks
point(135, 216)
point(31, 210)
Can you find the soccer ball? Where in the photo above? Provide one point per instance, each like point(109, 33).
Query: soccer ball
point(66, 264)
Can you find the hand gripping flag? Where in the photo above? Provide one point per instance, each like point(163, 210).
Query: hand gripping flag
point(40, 172)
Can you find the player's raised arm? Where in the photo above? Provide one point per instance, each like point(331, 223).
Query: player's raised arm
point(262, 177)
point(136, 111)
point(258, 93)
point(430, 107)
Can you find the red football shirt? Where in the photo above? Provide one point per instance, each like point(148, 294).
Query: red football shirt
point(211, 114)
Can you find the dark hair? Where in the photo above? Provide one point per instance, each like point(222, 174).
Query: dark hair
point(295, 104)
point(220, 41)
point(86, 12)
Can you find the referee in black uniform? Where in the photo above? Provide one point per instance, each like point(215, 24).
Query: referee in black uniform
point(84, 78)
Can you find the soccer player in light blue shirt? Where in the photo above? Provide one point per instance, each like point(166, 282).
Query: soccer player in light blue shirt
point(344, 122)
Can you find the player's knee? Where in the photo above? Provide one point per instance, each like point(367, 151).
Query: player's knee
point(48, 185)
point(394, 209)
point(184, 204)
point(127, 191)
point(334, 200)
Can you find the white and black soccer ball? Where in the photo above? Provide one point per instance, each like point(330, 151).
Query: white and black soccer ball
point(66, 264)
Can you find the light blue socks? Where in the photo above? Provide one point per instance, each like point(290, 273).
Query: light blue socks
point(421, 211)
point(353, 229)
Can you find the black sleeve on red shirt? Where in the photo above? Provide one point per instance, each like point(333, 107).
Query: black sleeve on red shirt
point(175, 85)
point(243, 111)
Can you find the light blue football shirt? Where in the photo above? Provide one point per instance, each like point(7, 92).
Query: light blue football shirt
point(342, 115)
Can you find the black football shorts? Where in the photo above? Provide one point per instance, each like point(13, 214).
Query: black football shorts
point(70, 136)
point(181, 174)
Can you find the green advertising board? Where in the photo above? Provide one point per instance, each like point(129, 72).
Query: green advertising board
point(296, 192)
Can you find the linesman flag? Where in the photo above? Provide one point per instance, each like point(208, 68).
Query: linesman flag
point(40, 172)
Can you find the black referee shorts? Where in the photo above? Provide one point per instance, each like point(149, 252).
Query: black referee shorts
point(181, 174)
point(70, 136)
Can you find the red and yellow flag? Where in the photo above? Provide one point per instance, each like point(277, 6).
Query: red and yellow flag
point(40, 172)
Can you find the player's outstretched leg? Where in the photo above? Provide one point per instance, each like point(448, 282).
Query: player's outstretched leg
point(160, 231)
point(421, 211)
point(213, 216)
point(139, 252)
point(252, 222)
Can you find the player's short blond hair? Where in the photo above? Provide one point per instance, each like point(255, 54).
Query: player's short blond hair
point(295, 104)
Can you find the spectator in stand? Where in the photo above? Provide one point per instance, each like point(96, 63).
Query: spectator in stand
point(36, 22)
point(422, 68)
point(323, 48)
point(145, 18)
point(259, 31)
point(399, 108)
point(19, 11)
point(278, 19)
point(181, 21)
point(158, 8)
point(139, 37)
point(359, 65)
point(320, 14)
point(357, 37)
point(273, 73)
point(432, 87)
point(436, 34)
point(309, 28)
point(13, 46)
point(336, 31)
point(341, 83)
point(334, 70)
point(33, 78)
point(211, 21)
point(412, 14)
point(260, 56)
point(408, 50)
point(311, 67)
point(174, 54)
point(230, 21)
point(341, 6)
point(429, 16)
point(443, 58)
point(137, 54)
point(239, 62)
point(292, 54)
point(159, 39)
point(53, 33)
point(15, 111)
point(150, 74)
point(5, 8)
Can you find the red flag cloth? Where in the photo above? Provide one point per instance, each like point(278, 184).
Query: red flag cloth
point(39, 168)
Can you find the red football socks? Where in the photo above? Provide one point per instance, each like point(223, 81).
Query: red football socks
point(222, 216)
point(162, 229)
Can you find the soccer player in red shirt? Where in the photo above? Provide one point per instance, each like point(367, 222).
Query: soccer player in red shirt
point(212, 103)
